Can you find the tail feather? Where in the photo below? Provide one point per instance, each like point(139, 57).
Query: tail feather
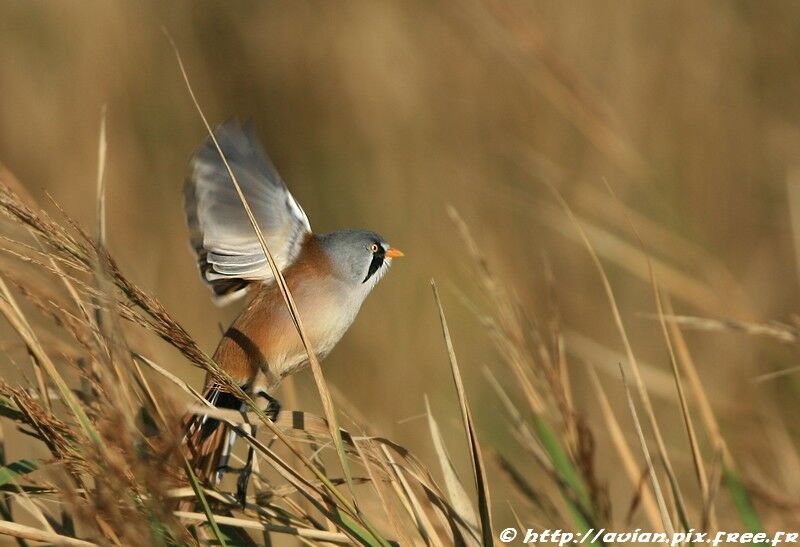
point(205, 438)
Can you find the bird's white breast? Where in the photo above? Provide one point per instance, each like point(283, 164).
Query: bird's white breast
point(326, 309)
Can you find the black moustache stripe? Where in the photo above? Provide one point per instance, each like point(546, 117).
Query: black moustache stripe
point(374, 266)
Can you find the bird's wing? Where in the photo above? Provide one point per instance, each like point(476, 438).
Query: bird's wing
point(229, 255)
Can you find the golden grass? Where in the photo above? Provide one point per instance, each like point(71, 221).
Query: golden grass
point(119, 432)
point(98, 405)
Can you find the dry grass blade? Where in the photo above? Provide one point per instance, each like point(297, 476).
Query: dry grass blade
point(662, 506)
point(44, 392)
point(101, 180)
point(300, 533)
point(695, 383)
point(455, 490)
point(34, 534)
point(793, 191)
point(778, 331)
point(34, 508)
point(775, 374)
point(423, 523)
point(175, 380)
point(625, 454)
point(478, 467)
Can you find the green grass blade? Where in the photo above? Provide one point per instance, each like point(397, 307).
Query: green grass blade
point(9, 474)
point(198, 492)
point(741, 500)
point(10, 410)
point(362, 534)
point(17, 469)
point(576, 496)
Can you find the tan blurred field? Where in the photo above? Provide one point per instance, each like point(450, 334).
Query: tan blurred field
point(381, 115)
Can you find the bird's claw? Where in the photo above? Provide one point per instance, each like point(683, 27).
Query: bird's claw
point(273, 408)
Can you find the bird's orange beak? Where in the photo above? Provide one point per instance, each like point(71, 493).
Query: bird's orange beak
point(391, 252)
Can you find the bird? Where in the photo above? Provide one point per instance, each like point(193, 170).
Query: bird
point(329, 276)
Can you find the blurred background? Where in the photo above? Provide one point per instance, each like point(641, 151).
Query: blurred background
point(381, 114)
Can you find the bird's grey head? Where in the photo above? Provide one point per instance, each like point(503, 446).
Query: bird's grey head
point(359, 257)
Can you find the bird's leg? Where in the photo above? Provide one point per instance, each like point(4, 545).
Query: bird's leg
point(247, 471)
point(208, 426)
point(273, 408)
point(227, 448)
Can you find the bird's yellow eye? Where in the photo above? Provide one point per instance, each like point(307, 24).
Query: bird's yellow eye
point(374, 248)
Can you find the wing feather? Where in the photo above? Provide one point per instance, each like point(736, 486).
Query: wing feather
point(229, 255)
